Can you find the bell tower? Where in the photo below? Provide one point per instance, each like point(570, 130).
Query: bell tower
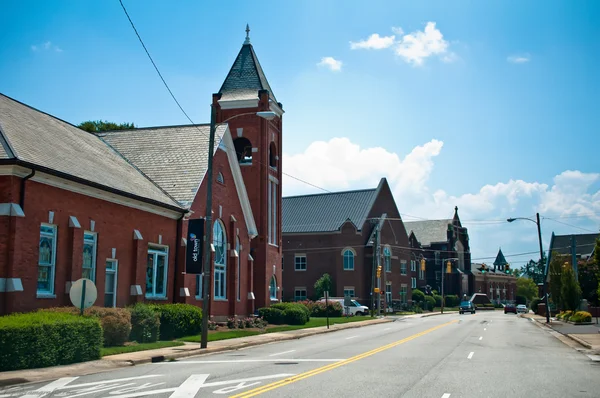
point(258, 144)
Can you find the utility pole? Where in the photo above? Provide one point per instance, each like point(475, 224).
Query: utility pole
point(443, 277)
point(374, 270)
point(537, 215)
point(377, 242)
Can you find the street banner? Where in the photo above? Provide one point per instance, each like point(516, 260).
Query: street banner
point(193, 258)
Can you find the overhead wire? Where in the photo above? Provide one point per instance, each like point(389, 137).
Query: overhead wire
point(569, 225)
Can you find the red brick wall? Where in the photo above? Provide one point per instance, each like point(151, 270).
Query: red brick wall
point(114, 224)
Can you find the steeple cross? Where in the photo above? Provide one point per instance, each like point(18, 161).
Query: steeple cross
point(247, 34)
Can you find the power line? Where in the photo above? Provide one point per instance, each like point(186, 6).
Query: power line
point(569, 225)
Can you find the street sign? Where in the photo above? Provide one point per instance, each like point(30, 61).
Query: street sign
point(347, 301)
point(83, 294)
point(193, 256)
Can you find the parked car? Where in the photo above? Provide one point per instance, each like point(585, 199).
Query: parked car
point(466, 306)
point(355, 309)
point(510, 308)
point(522, 308)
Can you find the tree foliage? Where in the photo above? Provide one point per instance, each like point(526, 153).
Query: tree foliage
point(527, 288)
point(588, 273)
point(570, 290)
point(535, 270)
point(95, 126)
point(418, 295)
point(555, 277)
point(323, 284)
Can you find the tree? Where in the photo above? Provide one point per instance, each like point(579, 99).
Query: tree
point(570, 290)
point(588, 273)
point(527, 288)
point(95, 126)
point(322, 285)
point(535, 269)
point(555, 277)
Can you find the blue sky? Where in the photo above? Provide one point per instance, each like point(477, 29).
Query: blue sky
point(491, 106)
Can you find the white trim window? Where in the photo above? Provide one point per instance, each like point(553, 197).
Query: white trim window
point(348, 260)
point(46, 259)
point(349, 291)
point(110, 285)
point(220, 245)
point(403, 267)
point(272, 212)
point(387, 258)
point(239, 268)
point(300, 262)
point(413, 281)
point(403, 292)
point(299, 293)
point(90, 245)
point(388, 292)
point(273, 289)
point(199, 286)
point(156, 271)
point(413, 265)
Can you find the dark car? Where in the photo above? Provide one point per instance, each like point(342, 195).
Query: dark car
point(466, 306)
point(510, 308)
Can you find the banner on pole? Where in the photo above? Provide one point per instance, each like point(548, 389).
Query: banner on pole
point(193, 258)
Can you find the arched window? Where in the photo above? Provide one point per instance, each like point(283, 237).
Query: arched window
point(348, 260)
point(273, 155)
point(273, 288)
point(387, 258)
point(220, 244)
point(220, 178)
point(243, 149)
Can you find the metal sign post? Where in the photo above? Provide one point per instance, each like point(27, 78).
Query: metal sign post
point(327, 306)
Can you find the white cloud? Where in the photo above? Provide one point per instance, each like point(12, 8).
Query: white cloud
point(519, 59)
point(413, 48)
point(374, 42)
point(34, 48)
point(47, 46)
point(417, 46)
point(331, 63)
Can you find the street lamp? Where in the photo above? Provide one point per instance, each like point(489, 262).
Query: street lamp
point(207, 268)
point(537, 222)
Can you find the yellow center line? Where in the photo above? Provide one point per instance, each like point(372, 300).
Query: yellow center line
point(301, 376)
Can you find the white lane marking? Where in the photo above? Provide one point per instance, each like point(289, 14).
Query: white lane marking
point(281, 353)
point(481, 338)
point(190, 387)
point(386, 329)
point(255, 360)
point(95, 383)
point(470, 355)
point(446, 395)
point(49, 388)
point(484, 329)
point(351, 337)
point(204, 385)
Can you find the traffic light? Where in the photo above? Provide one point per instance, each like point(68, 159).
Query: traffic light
point(376, 290)
point(448, 267)
point(379, 271)
point(422, 264)
point(483, 268)
point(507, 268)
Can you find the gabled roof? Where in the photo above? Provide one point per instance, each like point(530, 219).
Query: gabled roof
point(36, 139)
point(500, 260)
point(174, 157)
point(429, 231)
point(327, 212)
point(245, 78)
point(584, 243)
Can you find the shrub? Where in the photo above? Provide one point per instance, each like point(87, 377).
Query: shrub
point(295, 316)
point(452, 301)
point(318, 309)
point(429, 302)
point(300, 306)
point(260, 323)
point(145, 324)
point(438, 300)
point(272, 315)
point(212, 325)
point(534, 304)
point(566, 315)
point(231, 323)
point(418, 295)
point(45, 338)
point(178, 320)
point(581, 316)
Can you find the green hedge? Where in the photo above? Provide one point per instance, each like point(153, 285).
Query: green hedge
point(438, 300)
point(418, 296)
point(430, 303)
point(534, 304)
point(274, 316)
point(41, 339)
point(178, 320)
point(290, 313)
point(145, 324)
point(318, 309)
point(452, 301)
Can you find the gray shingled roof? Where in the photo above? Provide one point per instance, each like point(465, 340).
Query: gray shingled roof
point(429, 231)
point(584, 243)
point(43, 140)
point(174, 157)
point(326, 212)
point(245, 78)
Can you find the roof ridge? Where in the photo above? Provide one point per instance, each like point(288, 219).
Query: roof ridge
point(5, 143)
point(330, 193)
point(261, 74)
point(151, 128)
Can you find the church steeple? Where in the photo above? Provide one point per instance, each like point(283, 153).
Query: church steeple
point(500, 262)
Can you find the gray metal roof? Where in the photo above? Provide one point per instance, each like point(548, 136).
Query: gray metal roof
point(245, 78)
point(429, 231)
point(174, 157)
point(43, 140)
point(584, 244)
point(326, 212)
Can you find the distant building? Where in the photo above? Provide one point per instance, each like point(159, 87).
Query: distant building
point(497, 282)
point(334, 233)
point(440, 241)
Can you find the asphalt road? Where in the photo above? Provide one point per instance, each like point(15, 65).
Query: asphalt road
point(488, 354)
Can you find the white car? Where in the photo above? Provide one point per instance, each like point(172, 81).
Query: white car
point(355, 309)
point(522, 308)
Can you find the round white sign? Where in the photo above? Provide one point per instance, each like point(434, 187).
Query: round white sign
point(77, 293)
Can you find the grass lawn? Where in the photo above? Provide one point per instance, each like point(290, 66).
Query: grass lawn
point(438, 309)
point(317, 322)
point(105, 351)
point(222, 335)
point(405, 313)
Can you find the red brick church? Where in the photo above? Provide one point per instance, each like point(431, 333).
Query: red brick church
point(114, 207)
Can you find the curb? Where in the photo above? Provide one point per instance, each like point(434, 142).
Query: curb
point(578, 340)
point(208, 351)
point(439, 313)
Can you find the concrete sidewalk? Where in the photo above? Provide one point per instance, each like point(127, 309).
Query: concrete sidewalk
point(164, 354)
point(586, 335)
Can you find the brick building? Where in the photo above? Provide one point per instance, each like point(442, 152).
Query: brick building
point(114, 207)
point(334, 233)
point(497, 282)
point(440, 241)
